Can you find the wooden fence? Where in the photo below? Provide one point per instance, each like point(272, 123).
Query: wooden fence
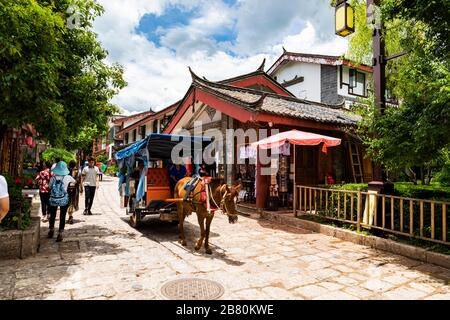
point(416, 218)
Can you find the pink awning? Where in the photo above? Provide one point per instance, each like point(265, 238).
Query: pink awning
point(297, 138)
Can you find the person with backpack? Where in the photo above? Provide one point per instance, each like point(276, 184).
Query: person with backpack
point(59, 197)
point(43, 179)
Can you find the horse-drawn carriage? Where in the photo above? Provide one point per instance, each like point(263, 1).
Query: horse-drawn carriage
point(151, 194)
point(144, 181)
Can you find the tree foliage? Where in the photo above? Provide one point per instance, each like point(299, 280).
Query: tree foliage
point(418, 131)
point(52, 154)
point(53, 76)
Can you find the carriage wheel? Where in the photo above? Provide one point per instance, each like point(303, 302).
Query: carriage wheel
point(135, 217)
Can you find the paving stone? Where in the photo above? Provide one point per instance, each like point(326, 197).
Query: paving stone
point(343, 269)
point(404, 294)
point(94, 292)
point(395, 279)
point(336, 295)
point(438, 297)
point(377, 285)
point(358, 292)
point(347, 281)
point(320, 264)
point(269, 258)
point(311, 291)
point(253, 294)
point(422, 287)
point(278, 293)
point(358, 277)
point(332, 286)
point(58, 295)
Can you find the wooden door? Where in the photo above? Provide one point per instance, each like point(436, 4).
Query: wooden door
point(307, 165)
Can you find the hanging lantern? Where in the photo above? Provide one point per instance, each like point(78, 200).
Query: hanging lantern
point(344, 18)
point(29, 141)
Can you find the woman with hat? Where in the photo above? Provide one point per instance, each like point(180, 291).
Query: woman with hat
point(59, 197)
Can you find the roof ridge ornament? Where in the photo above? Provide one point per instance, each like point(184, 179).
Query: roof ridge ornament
point(193, 75)
point(284, 49)
point(262, 66)
point(258, 104)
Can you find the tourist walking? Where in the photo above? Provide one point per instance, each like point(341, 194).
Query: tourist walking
point(59, 197)
point(43, 180)
point(90, 180)
point(4, 198)
point(73, 190)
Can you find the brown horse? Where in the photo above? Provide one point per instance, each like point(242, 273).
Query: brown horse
point(220, 195)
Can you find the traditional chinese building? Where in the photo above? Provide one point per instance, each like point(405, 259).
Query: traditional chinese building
point(256, 100)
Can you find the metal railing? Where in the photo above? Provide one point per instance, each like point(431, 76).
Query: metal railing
point(414, 218)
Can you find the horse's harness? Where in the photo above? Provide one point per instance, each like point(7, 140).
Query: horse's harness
point(222, 208)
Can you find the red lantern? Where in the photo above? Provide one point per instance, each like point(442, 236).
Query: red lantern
point(29, 141)
point(18, 181)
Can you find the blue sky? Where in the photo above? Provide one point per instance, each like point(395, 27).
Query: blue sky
point(156, 40)
point(153, 26)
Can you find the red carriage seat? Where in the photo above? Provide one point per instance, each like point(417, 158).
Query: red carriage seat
point(158, 184)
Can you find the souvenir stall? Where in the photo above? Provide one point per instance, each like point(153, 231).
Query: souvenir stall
point(283, 168)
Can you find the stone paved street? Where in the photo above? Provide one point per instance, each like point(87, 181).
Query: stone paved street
point(102, 257)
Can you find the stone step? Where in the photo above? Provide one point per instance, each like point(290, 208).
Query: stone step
point(246, 210)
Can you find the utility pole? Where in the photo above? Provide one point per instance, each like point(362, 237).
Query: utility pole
point(379, 183)
point(379, 79)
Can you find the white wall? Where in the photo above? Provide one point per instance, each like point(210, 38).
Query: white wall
point(309, 89)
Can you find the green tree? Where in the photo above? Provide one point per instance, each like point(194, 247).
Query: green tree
point(416, 132)
point(53, 76)
point(54, 153)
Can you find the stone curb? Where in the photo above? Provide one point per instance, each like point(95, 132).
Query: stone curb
point(21, 244)
point(388, 245)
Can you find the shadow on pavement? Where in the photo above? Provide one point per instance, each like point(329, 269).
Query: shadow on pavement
point(37, 277)
point(165, 232)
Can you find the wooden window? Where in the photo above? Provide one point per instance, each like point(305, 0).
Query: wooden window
point(352, 78)
point(155, 126)
point(134, 135)
point(143, 131)
point(127, 138)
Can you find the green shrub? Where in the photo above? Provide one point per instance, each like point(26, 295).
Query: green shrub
point(351, 187)
point(444, 176)
point(435, 191)
point(53, 153)
point(113, 170)
point(102, 158)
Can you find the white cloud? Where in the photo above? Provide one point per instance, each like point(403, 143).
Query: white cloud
point(158, 76)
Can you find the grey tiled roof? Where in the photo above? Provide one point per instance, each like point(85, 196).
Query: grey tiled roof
point(260, 101)
point(307, 111)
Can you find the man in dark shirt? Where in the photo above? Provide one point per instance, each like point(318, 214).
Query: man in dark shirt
point(177, 172)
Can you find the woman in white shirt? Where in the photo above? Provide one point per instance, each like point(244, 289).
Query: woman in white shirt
point(59, 197)
point(4, 198)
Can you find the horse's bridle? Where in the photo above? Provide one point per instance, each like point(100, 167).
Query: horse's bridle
point(223, 206)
